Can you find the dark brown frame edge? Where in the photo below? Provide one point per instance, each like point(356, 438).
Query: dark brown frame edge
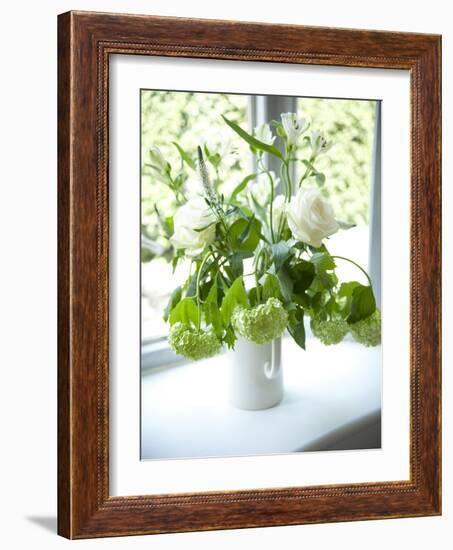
point(85, 41)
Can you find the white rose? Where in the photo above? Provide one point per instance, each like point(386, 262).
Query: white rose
point(310, 217)
point(194, 226)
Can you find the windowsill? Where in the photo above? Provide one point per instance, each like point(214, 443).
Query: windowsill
point(332, 400)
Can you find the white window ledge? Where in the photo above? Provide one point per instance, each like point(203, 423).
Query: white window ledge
point(332, 401)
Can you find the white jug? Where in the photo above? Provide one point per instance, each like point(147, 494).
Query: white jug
point(255, 375)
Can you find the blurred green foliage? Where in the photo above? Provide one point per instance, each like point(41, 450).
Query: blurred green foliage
point(349, 123)
point(192, 119)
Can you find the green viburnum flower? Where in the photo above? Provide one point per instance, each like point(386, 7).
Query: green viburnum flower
point(262, 323)
point(329, 332)
point(192, 343)
point(368, 331)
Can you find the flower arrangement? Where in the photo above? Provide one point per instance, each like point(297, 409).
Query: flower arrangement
point(259, 260)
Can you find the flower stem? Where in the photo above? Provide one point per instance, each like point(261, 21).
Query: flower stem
point(288, 179)
point(358, 266)
point(308, 169)
point(200, 271)
point(259, 259)
point(271, 207)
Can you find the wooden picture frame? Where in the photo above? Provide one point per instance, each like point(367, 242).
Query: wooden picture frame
point(85, 42)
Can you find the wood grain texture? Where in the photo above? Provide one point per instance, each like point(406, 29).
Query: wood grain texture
point(86, 40)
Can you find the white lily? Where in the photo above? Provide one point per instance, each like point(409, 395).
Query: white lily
point(220, 143)
point(160, 167)
point(319, 144)
point(294, 126)
point(264, 133)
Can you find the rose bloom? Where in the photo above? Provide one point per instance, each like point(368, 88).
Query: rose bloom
point(310, 217)
point(194, 226)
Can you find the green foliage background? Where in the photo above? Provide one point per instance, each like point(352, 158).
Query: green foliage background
point(347, 166)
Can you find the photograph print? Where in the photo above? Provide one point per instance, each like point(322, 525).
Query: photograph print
point(260, 284)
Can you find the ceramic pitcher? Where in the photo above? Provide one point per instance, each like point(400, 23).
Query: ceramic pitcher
point(255, 375)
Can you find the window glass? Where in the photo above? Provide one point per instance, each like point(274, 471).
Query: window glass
point(347, 166)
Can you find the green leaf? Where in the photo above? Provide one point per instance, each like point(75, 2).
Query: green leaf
point(308, 164)
point(241, 186)
point(185, 157)
point(237, 266)
point(319, 250)
point(179, 180)
point(280, 253)
point(236, 295)
point(251, 140)
point(346, 289)
point(324, 281)
point(185, 312)
point(253, 296)
point(320, 179)
point(244, 234)
point(205, 289)
point(175, 261)
point(169, 225)
point(215, 160)
point(296, 328)
point(363, 304)
point(174, 299)
point(214, 318)
point(345, 297)
point(286, 283)
point(332, 307)
point(302, 300)
point(323, 261)
point(166, 223)
point(229, 338)
point(303, 273)
point(212, 311)
point(213, 293)
point(271, 287)
point(317, 302)
point(191, 285)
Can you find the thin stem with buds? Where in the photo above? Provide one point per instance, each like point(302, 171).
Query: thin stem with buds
point(358, 266)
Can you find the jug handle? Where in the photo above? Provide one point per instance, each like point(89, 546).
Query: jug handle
point(272, 368)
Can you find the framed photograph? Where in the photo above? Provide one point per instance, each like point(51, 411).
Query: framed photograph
point(249, 275)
